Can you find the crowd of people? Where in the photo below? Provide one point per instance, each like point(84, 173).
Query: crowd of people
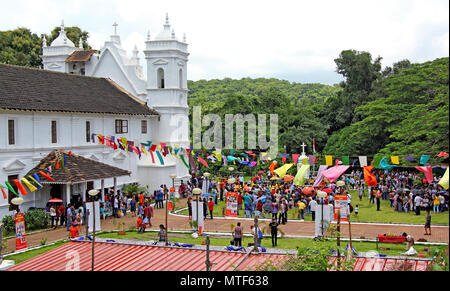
point(265, 197)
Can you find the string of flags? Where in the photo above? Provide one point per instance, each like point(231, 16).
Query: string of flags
point(58, 163)
point(189, 158)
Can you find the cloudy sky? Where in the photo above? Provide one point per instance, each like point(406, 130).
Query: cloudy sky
point(292, 40)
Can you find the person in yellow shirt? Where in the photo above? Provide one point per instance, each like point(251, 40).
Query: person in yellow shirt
point(436, 203)
point(301, 209)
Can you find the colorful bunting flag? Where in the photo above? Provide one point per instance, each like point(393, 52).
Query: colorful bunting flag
point(424, 159)
point(444, 181)
point(395, 160)
point(329, 160)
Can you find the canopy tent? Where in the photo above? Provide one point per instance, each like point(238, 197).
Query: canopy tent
point(335, 172)
point(77, 170)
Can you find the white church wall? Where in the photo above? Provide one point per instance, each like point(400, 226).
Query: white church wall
point(33, 142)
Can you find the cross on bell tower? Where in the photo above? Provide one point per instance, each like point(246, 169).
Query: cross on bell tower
point(303, 148)
point(115, 28)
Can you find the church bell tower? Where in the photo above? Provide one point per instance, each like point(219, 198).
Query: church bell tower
point(167, 58)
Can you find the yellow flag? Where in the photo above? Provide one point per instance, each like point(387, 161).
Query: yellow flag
point(444, 181)
point(329, 160)
point(395, 160)
point(218, 155)
point(29, 185)
point(305, 161)
point(299, 178)
point(281, 171)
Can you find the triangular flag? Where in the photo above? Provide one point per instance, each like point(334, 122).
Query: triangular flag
point(11, 188)
point(203, 162)
point(345, 160)
point(3, 191)
point(329, 160)
point(299, 177)
point(428, 171)
point(20, 187)
point(370, 178)
point(29, 185)
point(424, 159)
point(395, 160)
point(444, 181)
point(295, 158)
point(281, 171)
point(362, 161)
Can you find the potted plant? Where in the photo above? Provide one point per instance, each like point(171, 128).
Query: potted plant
point(122, 229)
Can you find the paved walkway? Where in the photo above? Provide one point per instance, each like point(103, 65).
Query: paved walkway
point(178, 222)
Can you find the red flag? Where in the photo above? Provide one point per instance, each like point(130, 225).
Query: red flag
point(370, 178)
point(4, 193)
point(272, 166)
point(428, 171)
point(295, 158)
point(46, 176)
point(20, 187)
point(203, 162)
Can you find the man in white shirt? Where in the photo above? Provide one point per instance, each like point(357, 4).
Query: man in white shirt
point(312, 206)
point(417, 202)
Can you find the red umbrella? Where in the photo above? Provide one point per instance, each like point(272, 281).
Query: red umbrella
point(308, 190)
point(255, 178)
point(327, 190)
point(260, 172)
point(55, 200)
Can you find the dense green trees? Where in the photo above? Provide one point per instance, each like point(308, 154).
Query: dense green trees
point(401, 110)
point(408, 114)
point(23, 48)
point(20, 47)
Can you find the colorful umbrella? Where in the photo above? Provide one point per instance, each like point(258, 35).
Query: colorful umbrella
point(340, 183)
point(327, 190)
point(288, 178)
point(308, 190)
point(55, 200)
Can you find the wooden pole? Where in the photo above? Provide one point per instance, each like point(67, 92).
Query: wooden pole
point(338, 238)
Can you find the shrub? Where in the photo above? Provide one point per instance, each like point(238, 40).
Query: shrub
point(34, 219)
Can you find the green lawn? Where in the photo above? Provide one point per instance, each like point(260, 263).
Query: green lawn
point(367, 213)
point(282, 243)
point(21, 257)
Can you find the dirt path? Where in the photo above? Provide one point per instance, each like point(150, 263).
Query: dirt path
point(175, 222)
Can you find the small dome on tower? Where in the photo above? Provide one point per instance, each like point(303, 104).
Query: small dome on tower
point(62, 39)
point(166, 33)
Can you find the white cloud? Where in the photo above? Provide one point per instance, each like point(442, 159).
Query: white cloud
point(296, 39)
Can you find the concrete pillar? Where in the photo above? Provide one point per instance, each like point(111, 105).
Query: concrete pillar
point(67, 194)
point(115, 185)
point(103, 190)
point(83, 191)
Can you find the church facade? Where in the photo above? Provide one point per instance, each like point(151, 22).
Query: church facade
point(83, 92)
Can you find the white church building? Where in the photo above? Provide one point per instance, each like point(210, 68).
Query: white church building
point(81, 92)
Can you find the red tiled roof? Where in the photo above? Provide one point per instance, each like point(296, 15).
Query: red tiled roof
point(128, 257)
point(77, 169)
point(80, 56)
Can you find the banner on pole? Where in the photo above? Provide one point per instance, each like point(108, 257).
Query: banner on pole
point(231, 210)
point(21, 242)
point(341, 203)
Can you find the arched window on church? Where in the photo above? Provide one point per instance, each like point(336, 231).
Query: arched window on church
point(180, 77)
point(160, 76)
